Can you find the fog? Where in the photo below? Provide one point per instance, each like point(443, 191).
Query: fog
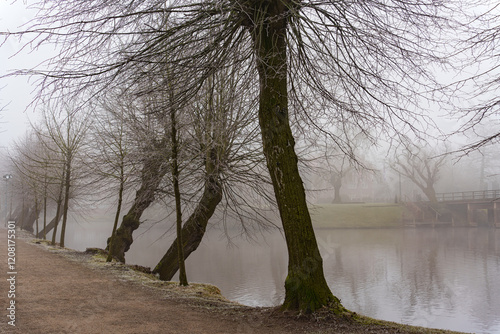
point(404, 149)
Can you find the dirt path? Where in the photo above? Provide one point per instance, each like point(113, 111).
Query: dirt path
point(57, 295)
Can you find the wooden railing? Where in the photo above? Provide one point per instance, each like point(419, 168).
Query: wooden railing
point(468, 195)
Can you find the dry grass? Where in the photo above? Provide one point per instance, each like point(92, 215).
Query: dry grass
point(357, 215)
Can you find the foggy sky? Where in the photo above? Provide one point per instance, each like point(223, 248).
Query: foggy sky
point(15, 92)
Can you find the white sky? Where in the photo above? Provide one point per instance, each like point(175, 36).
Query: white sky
point(15, 92)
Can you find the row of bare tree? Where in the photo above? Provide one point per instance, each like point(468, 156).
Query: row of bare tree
point(195, 155)
point(193, 98)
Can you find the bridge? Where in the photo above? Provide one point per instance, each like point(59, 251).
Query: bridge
point(469, 196)
point(477, 207)
point(480, 205)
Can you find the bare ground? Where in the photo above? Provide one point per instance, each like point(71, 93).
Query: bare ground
point(63, 291)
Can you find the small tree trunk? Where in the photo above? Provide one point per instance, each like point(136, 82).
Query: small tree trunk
point(336, 187)
point(67, 185)
point(58, 211)
point(22, 222)
point(44, 216)
point(56, 221)
point(36, 212)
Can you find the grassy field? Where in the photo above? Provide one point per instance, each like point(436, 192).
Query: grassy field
point(362, 215)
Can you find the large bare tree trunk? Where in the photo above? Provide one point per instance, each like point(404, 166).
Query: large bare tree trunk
point(118, 210)
point(153, 171)
point(192, 231)
point(305, 286)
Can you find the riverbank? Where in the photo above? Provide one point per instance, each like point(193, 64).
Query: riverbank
point(357, 215)
point(65, 291)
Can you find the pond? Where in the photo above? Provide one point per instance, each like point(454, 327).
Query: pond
point(441, 278)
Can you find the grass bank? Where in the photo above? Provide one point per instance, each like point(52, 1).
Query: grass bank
point(357, 215)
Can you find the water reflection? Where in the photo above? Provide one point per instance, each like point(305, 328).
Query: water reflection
point(442, 278)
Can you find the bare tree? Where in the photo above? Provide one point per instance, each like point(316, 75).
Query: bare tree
point(422, 167)
point(362, 63)
point(338, 172)
point(66, 133)
point(38, 167)
point(28, 171)
point(152, 143)
point(112, 159)
point(221, 132)
point(211, 153)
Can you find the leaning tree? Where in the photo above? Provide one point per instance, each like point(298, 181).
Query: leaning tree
point(112, 158)
point(364, 63)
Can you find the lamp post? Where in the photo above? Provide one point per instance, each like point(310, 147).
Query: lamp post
point(7, 178)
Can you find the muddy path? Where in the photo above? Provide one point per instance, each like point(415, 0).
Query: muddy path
point(54, 294)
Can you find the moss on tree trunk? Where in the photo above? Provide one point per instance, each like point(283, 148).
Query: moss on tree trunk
point(305, 286)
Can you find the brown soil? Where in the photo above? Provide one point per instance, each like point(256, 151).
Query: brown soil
point(64, 291)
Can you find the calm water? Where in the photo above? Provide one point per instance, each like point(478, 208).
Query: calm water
point(442, 278)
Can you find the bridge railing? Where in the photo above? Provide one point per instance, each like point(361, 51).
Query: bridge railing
point(468, 195)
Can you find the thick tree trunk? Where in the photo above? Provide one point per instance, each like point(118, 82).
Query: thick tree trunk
point(305, 286)
point(192, 231)
point(152, 173)
point(117, 215)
